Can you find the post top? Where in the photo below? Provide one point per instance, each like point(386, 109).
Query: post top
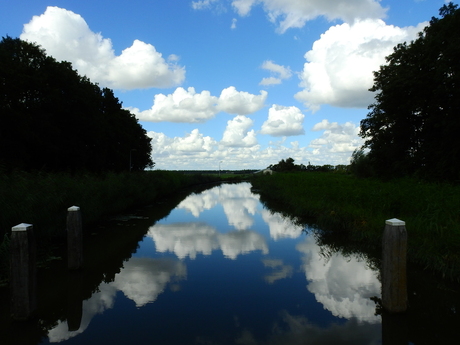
point(395, 222)
point(73, 208)
point(21, 227)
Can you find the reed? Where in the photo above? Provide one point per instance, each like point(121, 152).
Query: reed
point(344, 203)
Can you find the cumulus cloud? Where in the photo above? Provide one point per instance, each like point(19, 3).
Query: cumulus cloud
point(65, 35)
point(283, 121)
point(288, 14)
point(237, 133)
point(180, 106)
point(240, 102)
point(334, 145)
point(340, 65)
point(337, 138)
point(192, 107)
point(192, 143)
point(279, 71)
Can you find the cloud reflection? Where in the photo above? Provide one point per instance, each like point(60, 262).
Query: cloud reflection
point(280, 270)
point(141, 280)
point(237, 200)
point(190, 239)
point(281, 227)
point(343, 285)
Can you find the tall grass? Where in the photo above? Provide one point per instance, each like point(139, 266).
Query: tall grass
point(343, 203)
point(42, 199)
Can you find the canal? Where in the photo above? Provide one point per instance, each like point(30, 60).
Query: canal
point(220, 268)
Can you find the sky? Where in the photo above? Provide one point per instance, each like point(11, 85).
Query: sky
point(230, 84)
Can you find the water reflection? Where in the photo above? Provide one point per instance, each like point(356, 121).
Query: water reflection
point(141, 280)
point(344, 285)
point(246, 273)
point(188, 239)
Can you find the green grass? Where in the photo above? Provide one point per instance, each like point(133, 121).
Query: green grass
point(342, 203)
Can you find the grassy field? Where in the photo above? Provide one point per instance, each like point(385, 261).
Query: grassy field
point(42, 199)
point(340, 203)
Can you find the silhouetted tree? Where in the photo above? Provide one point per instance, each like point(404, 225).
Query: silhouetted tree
point(414, 123)
point(53, 119)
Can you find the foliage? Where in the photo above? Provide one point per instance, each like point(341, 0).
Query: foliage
point(287, 165)
point(360, 164)
point(52, 119)
point(342, 203)
point(413, 125)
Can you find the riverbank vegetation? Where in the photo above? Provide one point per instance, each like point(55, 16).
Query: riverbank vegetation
point(42, 199)
point(341, 203)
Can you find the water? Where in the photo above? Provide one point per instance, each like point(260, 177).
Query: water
point(218, 269)
point(221, 269)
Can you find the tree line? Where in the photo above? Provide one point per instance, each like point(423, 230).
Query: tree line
point(53, 119)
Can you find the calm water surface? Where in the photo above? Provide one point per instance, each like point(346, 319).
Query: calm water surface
point(221, 269)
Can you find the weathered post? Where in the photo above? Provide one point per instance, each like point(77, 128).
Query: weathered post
point(394, 279)
point(23, 272)
point(74, 238)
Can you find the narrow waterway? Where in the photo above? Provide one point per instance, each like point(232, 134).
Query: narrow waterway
point(218, 269)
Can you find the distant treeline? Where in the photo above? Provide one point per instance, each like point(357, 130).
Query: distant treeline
point(204, 172)
point(287, 165)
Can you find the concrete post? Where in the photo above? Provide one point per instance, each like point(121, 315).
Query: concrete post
point(23, 272)
point(74, 238)
point(394, 279)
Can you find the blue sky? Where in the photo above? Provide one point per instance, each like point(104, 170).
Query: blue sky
point(235, 84)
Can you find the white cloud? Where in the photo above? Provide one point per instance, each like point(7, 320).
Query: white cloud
point(203, 4)
point(233, 26)
point(196, 151)
point(280, 72)
point(192, 143)
point(191, 107)
point(237, 133)
point(283, 121)
point(180, 106)
point(288, 14)
point(339, 68)
point(243, 7)
point(336, 138)
point(240, 102)
point(65, 35)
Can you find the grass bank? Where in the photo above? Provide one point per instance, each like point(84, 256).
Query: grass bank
point(340, 203)
point(42, 199)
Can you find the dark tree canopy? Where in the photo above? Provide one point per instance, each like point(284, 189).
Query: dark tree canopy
point(413, 126)
point(287, 165)
point(53, 119)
